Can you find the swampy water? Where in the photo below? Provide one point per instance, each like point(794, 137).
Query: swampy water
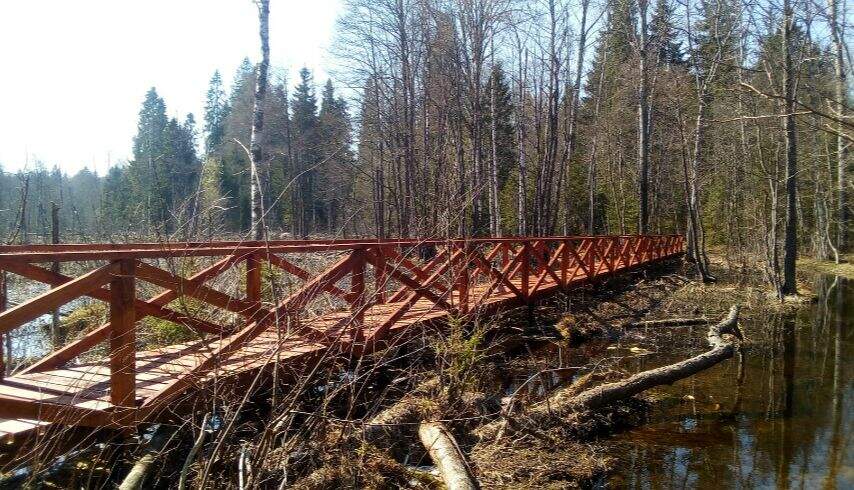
point(32, 340)
point(780, 416)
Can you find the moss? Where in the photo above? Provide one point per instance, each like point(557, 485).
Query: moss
point(84, 318)
point(157, 332)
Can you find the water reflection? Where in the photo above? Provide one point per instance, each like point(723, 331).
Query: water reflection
point(779, 417)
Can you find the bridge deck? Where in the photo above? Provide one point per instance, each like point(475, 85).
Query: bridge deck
point(67, 392)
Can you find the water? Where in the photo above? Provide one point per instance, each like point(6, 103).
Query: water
point(781, 417)
point(32, 340)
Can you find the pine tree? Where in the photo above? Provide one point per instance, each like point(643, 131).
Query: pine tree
point(305, 151)
point(663, 36)
point(335, 177)
point(505, 140)
point(216, 110)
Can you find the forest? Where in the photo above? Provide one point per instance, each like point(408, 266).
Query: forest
point(720, 119)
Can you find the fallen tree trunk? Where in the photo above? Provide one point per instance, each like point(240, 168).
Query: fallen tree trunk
point(669, 322)
point(407, 410)
point(446, 454)
point(564, 401)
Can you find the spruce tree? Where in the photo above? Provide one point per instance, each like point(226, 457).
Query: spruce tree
point(335, 177)
point(305, 150)
point(663, 36)
point(149, 170)
point(216, 110)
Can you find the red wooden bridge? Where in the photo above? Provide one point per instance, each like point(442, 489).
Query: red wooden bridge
point(253, 303)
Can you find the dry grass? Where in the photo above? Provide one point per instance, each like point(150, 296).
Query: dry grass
point(529, 463)
point(844, 269)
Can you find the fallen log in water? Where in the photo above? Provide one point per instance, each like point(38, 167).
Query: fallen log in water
point(564, 401)
point(669, 322)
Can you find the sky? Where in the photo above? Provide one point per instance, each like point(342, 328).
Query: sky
point(73, 73)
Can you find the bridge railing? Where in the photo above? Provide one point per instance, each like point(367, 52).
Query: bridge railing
point(366, 276)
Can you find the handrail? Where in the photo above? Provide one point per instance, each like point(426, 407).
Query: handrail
point(88, 252)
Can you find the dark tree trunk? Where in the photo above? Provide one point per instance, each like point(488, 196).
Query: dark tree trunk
point(791, 240)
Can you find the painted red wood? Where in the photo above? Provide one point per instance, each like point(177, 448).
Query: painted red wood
point(462, 276)
point(123, 337)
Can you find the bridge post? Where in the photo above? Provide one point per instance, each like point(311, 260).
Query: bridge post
point(357, 290)
point(564, 264)
point(614, 253)
point(123, 342)
point(253, 278)
point(626, 247)
point(3, 299)
point(463, 284)
point(526, 269)
point(380, 276)
point(591, 258)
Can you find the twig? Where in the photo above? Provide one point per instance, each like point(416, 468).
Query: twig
point(193, 452)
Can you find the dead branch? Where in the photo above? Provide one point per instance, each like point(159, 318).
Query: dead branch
point(136, 477)
point(669, 322)
point(193, 452)
point(564, 401)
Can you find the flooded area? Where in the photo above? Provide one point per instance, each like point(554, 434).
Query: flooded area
point(32, 340)
point(779, 416)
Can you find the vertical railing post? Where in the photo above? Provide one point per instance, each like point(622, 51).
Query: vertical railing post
point(504, 260)
point(253, 278)
point(380, 277)
point(615, 253)
point(643, 249)
point(526, 268)
point(3, 300)
point(123, 341)
point(357, 290)
point(564, 264)
point(463, 278)
point(591, 258)
point(627, 251)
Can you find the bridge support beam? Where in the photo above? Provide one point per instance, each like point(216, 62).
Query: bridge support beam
point(123, 342)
